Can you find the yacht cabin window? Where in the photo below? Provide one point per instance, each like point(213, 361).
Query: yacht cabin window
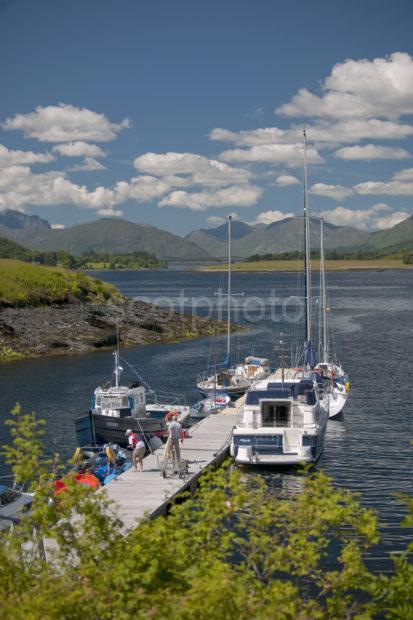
point(275, 413)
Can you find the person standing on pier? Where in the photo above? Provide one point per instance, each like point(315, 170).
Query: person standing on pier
point(174, 435)
point(137, 445)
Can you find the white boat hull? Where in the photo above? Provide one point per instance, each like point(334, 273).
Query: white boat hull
point(275, 459)
point(237, 389)
point(338, 399)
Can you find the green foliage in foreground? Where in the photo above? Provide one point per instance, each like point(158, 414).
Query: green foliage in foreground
point(23, 284)
point(232, 551)
point(89, 260)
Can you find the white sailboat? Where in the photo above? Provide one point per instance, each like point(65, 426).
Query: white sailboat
point(334, 376)
point(224, 377)
point(284, 417)
point(234, 380)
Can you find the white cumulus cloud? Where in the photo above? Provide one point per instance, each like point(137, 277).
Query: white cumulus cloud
point(198, 169)
point(268, 217)
point(289, 154)
point(336, 192)
point(9, 157)
point(79, 149)
point(365, 219)
point(389, 188)
point(380, 88)
point(285, 180)
point(90, 164)
point(65, 123)
point(217, 220)
point(322, 132)
point(369, 152)
point(404, 175)
point(20, 187)
point(237, 196)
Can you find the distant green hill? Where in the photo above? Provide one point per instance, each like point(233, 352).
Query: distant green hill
point(276, 238)
point(92, 260)
point(113, 236)
point(286, 236)
point(399, 237)
point(10, 249)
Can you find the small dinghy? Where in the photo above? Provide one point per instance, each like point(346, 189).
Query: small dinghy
point(209, 405)
point(95, 467)
point(12, 502)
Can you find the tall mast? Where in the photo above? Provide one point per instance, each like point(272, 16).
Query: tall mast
point(323, 293)
point(118, 369)
point(229, 290)
point(307, 266)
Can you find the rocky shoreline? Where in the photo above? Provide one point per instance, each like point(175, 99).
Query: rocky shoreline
point(83, 327)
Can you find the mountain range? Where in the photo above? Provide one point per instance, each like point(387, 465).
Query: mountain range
point(283, 236)
point(120, 236)
point(105, 235)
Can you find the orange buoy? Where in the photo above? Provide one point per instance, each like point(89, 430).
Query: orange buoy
point(84, 478)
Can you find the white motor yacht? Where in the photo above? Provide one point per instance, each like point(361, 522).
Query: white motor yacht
point(282, 421)
point(284, 417)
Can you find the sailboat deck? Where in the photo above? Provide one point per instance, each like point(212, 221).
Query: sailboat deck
point(147, 493)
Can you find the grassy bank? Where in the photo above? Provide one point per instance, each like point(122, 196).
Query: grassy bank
point(24, 284)
point(297, 265)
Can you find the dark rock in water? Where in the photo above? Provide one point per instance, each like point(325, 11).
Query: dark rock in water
point(81, 327)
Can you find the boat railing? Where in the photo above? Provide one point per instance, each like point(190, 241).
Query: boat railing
point(171, 398)
point(10, 481)
point(203, 376)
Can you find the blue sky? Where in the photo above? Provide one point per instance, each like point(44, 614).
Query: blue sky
point(178, 113)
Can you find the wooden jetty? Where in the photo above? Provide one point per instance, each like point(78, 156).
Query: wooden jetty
point(147, 493)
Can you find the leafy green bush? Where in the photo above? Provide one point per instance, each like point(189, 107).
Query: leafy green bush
point(232, 551)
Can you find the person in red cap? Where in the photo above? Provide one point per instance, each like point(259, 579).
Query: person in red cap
point(136, 444)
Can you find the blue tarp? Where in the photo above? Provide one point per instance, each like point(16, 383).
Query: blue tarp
point(310, 358)
point(305, 387)
point(225, 364)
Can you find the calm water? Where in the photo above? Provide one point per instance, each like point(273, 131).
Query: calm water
point(367, 450)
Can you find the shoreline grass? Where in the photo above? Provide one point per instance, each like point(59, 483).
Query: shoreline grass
point(26, 284)
point(297, 265)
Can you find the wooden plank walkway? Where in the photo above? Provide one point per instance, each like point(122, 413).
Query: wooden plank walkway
point(147, 493)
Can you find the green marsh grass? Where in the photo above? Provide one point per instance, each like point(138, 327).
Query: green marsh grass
point(24, 284)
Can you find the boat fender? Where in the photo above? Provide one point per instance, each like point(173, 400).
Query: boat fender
point(347, 387)
point(111, 456)
point(77, 456)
